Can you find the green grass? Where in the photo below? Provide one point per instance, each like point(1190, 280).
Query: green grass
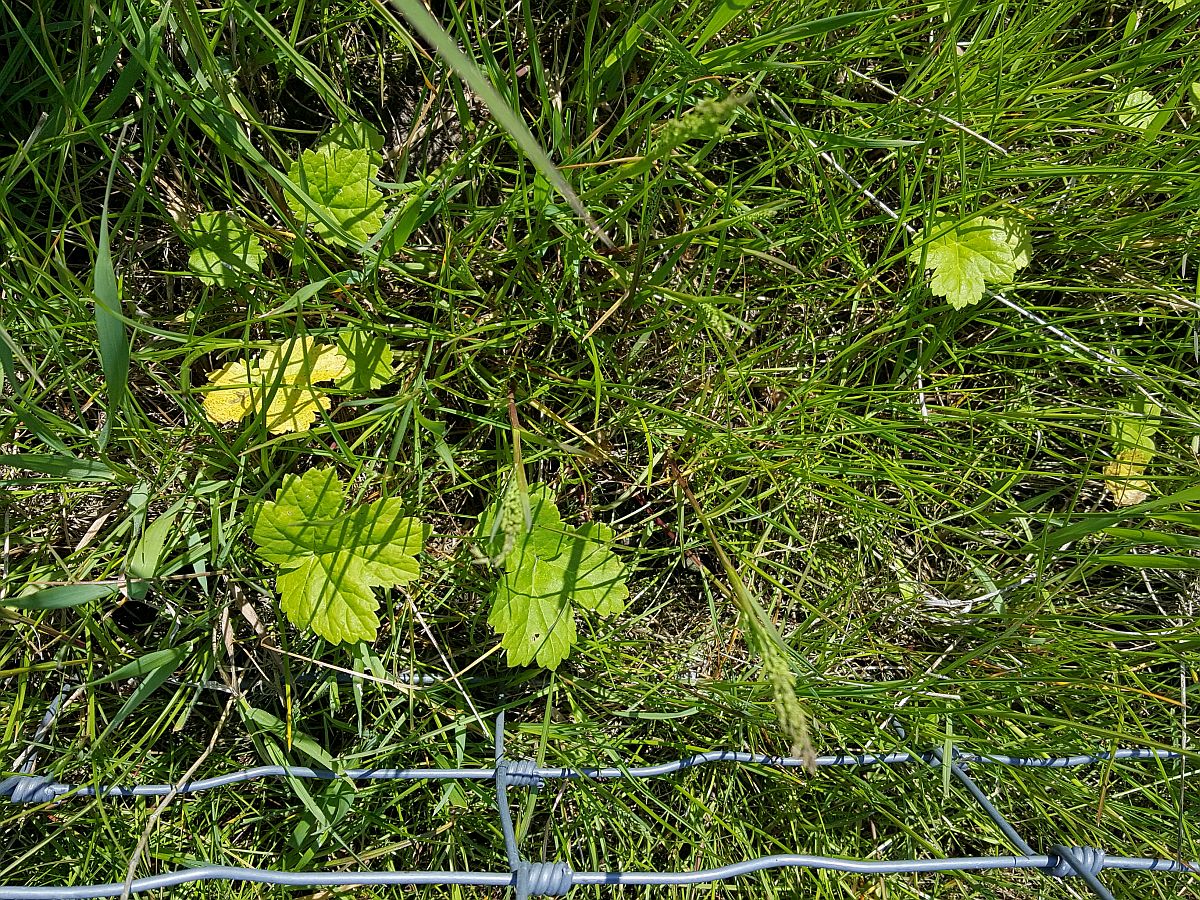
point(886, 474)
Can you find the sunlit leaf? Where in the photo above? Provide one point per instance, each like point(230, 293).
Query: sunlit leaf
point(330, 559)
point(1133, 430)
point(282, 379)
point(967, 257)
point(371, 361)
point(1137, 109)
point(357, 136)
point(549, 571)
point(338, 181)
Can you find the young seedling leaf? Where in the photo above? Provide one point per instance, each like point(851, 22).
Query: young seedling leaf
point(370, 358)
point(224, 250)
point(331, 559)
point(968, 256)
point(282, 379)
point(550, 570)
point(338, 181)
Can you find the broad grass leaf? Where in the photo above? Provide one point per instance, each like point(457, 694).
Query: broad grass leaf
point(508, 118)
point(733, 55)
point(1052, 538)
point(722, 16)
point(289, 737)
point(156, 660)
point(64, 596)
point(224, 250)
point(111, 338)
point(142, 692)
point(61, 466)
point(146, 559)
point(330, 560)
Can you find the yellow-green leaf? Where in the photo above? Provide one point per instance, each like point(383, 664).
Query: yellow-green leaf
point(357, 136)
point(968, 256)
point(337, 181)
point(370, 359)
point(224, 250)
point(1137, 109)
point(331, 559)
point(549, 570)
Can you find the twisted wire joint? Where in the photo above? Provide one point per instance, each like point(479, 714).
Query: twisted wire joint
point(519, 773)
point(543, 879)
point(1091, 860)
point(30, 789)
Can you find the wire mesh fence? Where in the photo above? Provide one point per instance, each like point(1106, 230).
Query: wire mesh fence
point(556, 878)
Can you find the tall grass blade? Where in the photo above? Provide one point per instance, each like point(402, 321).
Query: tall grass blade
point(110, 327)
point(509, 119)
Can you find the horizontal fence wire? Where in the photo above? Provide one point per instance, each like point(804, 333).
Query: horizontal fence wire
point(556, 878)
point(28, 788)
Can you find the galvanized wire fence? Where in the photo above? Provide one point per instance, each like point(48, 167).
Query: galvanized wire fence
point(556, 878)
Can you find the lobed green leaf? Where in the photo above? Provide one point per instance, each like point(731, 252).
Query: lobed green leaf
point(330, 561)
point(550, 570)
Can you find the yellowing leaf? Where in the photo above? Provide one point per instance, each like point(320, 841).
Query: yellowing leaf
point(282, 378)
point(968, 256)
point(549, 570)
point(303, 360)
point(294, 409)
point(331, 559)
point(231, 397)
point(1133, 430)
point(1123, 478)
